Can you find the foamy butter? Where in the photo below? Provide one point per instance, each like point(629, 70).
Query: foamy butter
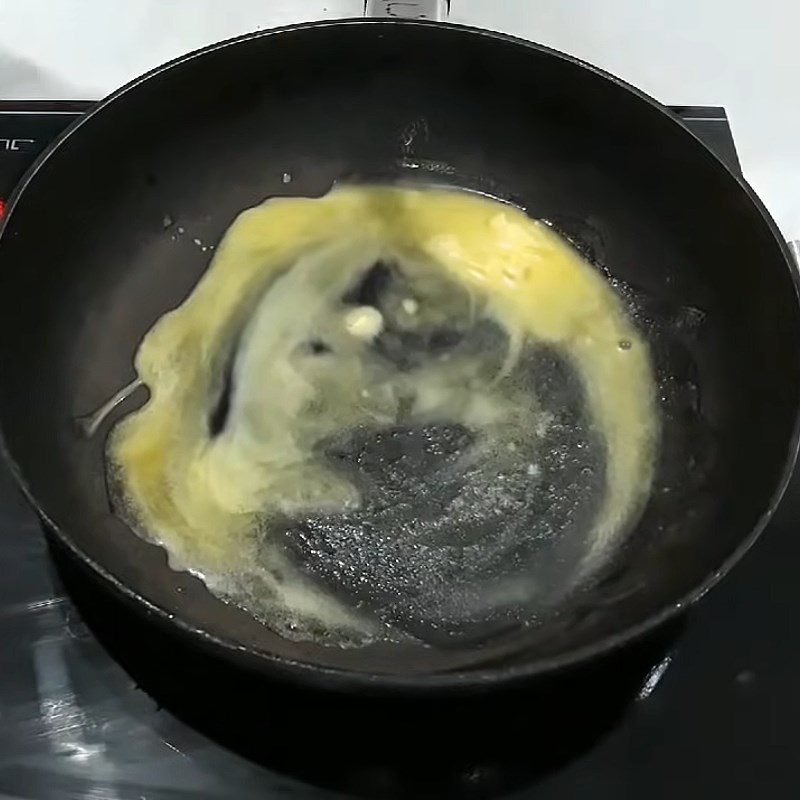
point(274, 285)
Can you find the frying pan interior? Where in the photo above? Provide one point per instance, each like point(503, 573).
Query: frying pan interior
point(92, 256)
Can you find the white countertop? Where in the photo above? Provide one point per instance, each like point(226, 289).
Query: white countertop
point(743, 54)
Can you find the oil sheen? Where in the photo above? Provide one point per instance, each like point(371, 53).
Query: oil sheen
point(390, 412)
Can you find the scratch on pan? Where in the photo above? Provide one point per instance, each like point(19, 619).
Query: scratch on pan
point(439, 167)
point(415, 130)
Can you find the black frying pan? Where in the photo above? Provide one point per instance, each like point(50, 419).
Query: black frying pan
point(91, 258)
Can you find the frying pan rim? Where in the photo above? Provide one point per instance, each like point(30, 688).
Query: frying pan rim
point(309, 673)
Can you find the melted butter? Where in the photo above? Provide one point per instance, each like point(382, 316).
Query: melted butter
point(275, 283)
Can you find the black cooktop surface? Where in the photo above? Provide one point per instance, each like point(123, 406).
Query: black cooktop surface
point(93, 704)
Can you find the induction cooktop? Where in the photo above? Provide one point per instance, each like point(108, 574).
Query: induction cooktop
point(96, 704)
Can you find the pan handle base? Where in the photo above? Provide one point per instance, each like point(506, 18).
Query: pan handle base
point(436, 10)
